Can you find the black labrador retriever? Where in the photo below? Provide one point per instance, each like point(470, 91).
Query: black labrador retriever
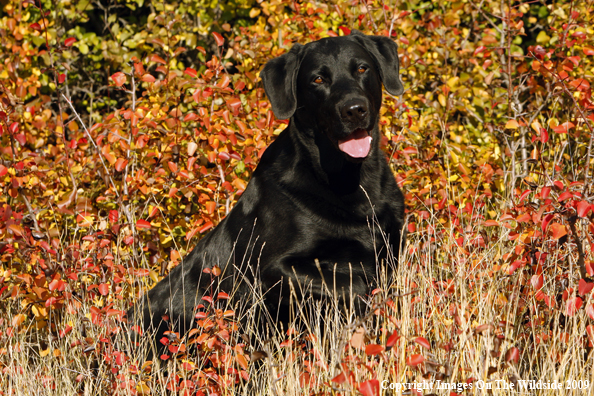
point(322, 192)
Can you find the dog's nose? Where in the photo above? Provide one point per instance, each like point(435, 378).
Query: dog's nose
point(354, 110)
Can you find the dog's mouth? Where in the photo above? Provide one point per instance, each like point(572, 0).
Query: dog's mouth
point(357, 144)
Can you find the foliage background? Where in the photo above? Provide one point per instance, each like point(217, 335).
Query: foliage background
point(130, 128)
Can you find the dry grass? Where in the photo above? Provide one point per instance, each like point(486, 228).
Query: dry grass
point(471, 312)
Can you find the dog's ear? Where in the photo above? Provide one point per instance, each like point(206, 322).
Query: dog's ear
point(385, 53)
point(280, 79)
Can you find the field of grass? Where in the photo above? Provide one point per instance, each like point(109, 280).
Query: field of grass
point(446, 316)
point(128, 130)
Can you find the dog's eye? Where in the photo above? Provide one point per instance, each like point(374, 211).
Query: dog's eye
point(362, 69)
point(318, 80)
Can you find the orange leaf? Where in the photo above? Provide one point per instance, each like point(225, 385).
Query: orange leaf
point(558, 230)
point(148, 78)
point(16, 229)
point(18, 320)
point(120, 164)
point(563, 128)
point(415, 360)
point(242, 361)
point(172, 166)
point(104, 289)
point(358, 338)
point(512, 124)
point(119, 78)
point(373, 349)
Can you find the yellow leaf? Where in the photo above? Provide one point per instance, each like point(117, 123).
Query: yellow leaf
point(453, 82)
point(536, 126)
point(143, 389)
point(542, 37)
point(442, 100)
point(512, 124)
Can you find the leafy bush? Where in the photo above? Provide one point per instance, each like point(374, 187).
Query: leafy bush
point(129, 129)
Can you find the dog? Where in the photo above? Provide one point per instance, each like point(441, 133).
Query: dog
point(322, 208)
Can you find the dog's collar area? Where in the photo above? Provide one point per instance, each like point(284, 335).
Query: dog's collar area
point(357, 144)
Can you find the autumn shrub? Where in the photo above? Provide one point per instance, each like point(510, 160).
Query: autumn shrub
point(130, 129)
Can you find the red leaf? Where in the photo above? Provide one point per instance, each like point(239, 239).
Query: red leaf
point(415, 360)
point(69, 41)
point(537, 281)
point(113, 216)
point(478, 50)
point(14, 127)
point(588, 50)
point(119, 78)
point(35, 26)
point(205, 227)
point(172, 166)
point(191, 72)
point(3, 170)
point(339, 379)
point(513, 354)
point(573, 305)
point(345, 30)
point(423, 342)
point(583, 208)
point(558, 230)
point(369, 388)
point(51, 301)
point(218, 38)
point(222, 296)
point(544, 135)
point(392, 339)
point(373, 349)
point(564, 196)
point(61, 78)
point(143, 224)
point(585, 287)
point(158, 59)
point(104, 289)
point(590, 311)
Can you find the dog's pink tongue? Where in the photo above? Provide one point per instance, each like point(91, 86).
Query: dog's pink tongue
point(357, 145)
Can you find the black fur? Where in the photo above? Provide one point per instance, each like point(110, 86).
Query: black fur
point(307, 199)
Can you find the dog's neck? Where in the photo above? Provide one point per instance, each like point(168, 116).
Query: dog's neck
point(329, 165)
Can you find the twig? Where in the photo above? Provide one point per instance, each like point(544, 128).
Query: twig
point(115, 190)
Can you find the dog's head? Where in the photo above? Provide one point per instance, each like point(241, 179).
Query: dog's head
point(334, 86)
